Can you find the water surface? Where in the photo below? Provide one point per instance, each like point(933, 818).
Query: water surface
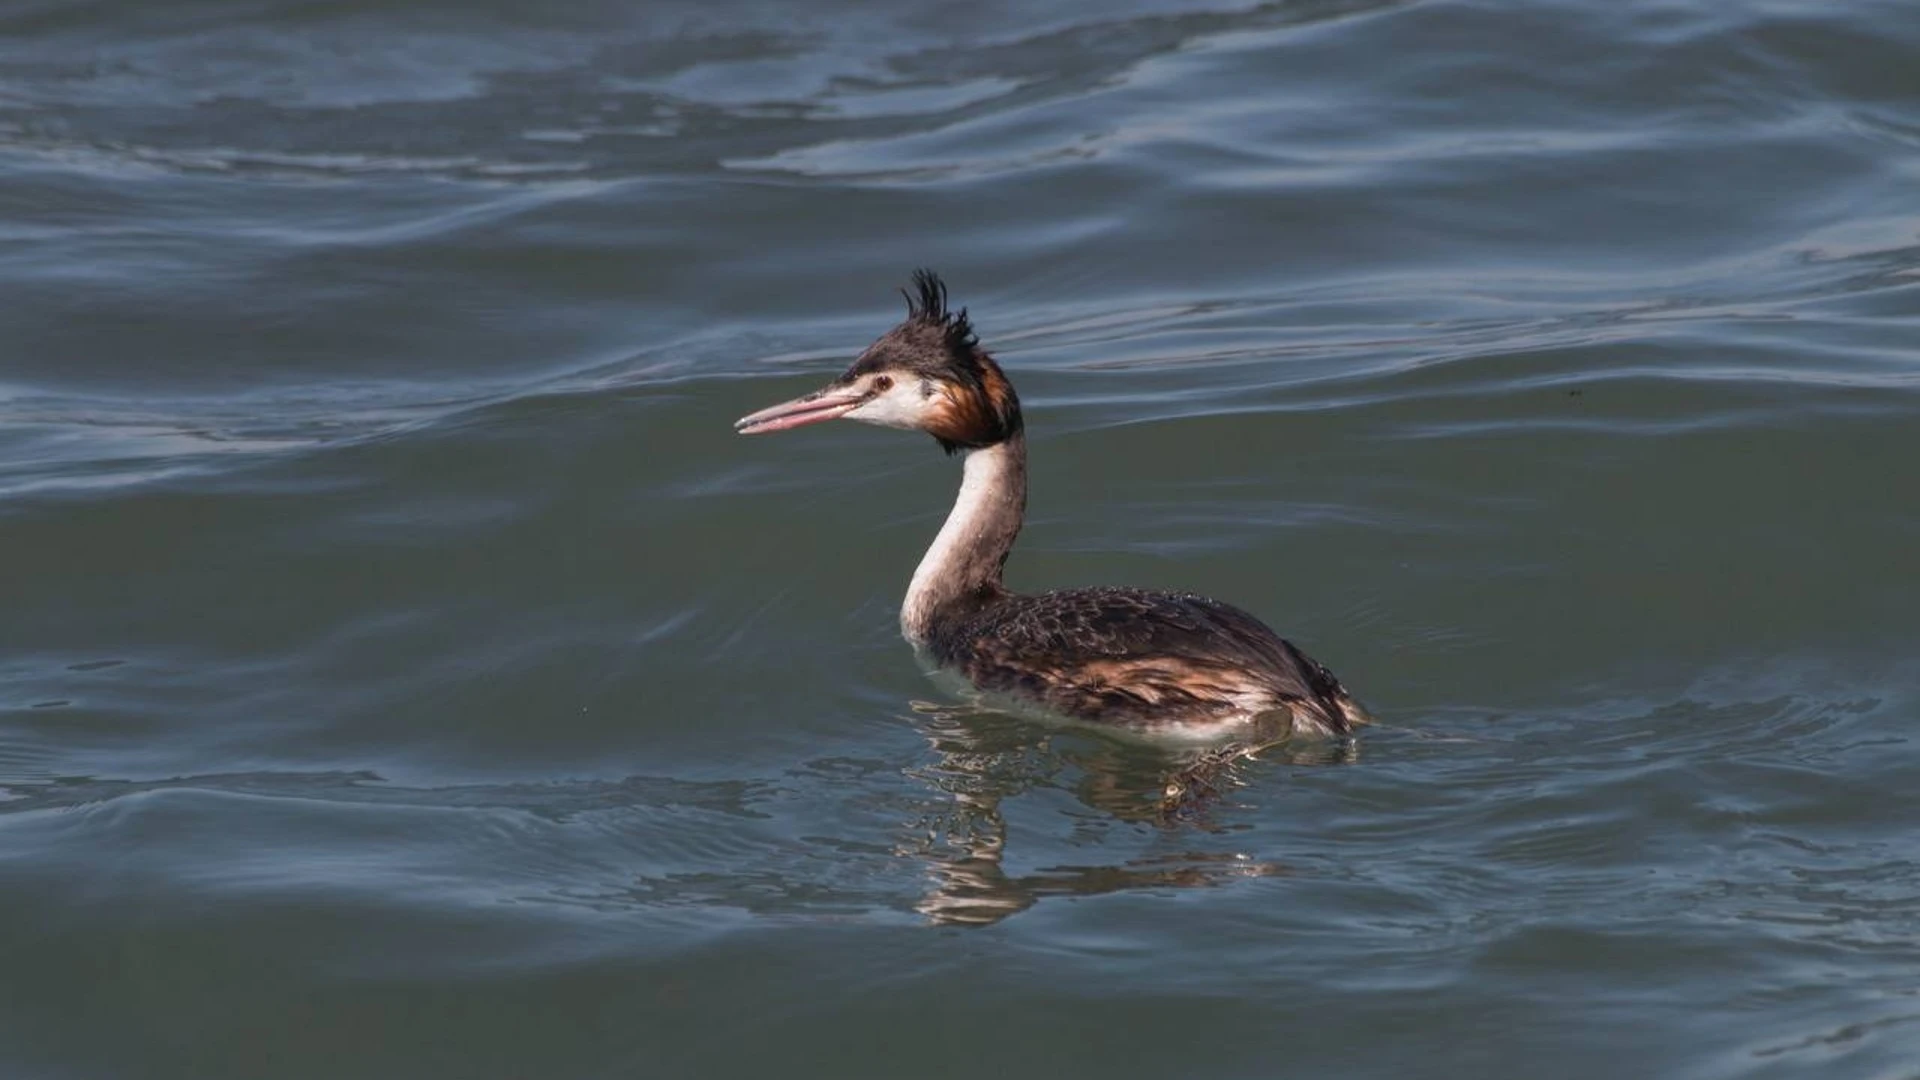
point(404, 671)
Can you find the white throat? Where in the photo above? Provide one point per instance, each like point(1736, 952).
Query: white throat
point(973, 544)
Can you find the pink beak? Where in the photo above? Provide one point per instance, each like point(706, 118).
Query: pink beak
point(829, 404)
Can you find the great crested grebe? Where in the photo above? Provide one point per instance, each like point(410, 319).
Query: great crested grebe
point(1147, 662)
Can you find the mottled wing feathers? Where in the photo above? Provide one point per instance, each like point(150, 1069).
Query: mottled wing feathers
point(1138, 657)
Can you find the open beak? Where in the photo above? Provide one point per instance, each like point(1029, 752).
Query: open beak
point(829, 404)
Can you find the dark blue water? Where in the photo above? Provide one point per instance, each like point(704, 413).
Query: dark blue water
point(404, 671)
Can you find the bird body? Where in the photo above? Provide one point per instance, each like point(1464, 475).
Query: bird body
point(1153, 663)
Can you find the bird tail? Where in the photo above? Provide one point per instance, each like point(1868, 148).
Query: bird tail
point(1327, 715)
point(1330, 710)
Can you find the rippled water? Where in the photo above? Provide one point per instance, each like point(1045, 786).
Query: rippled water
point(405, 672)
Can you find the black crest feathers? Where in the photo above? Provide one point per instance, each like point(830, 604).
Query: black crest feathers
point(928, 301)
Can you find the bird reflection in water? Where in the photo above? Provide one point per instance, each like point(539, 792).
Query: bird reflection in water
point(985, 758)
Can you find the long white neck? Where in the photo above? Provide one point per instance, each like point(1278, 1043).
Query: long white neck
point(965, 559)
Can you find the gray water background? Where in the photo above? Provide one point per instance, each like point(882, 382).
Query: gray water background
point(405, 672)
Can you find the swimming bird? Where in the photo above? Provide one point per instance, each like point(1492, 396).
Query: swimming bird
point(1142, 662)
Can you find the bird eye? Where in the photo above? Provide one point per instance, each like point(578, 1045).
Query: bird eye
point(882, 384)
